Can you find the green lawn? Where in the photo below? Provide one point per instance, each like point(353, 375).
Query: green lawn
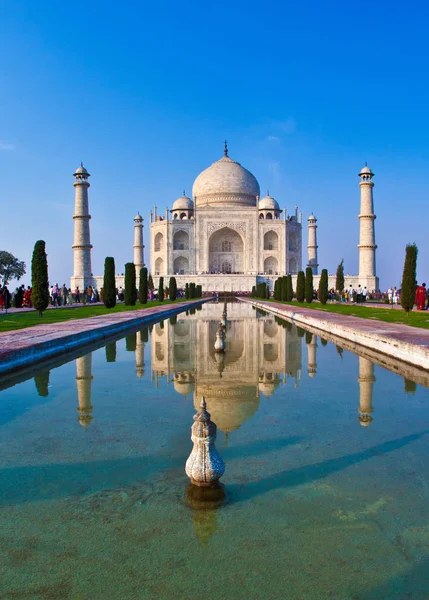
point(11, 321)
point(388, 315)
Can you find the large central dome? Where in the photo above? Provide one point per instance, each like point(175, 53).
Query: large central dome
point(225, 183)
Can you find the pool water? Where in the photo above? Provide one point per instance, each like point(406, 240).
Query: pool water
point(326, 488)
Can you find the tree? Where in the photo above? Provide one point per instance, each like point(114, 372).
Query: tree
point(187, 291)
point(111, 352)
point(10, 267)
point(150, 282)
point(109, 284)
point(408, 287)
point(143, 286)
point(300, 286)
point(289, 288)
point(308, 285)
point(284, 288)
point(339, 282)
point(130, 294)
point(192, 290)
point(253, 294)
point(161, 289)
point(172, 286)
point(39, 278)
point(323, 287)
point(42, 383)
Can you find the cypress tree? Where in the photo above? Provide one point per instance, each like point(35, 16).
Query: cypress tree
point(323, 287)
point(408, 288)
point(289, 288)
point(253, 291)
point(200, 291)
point(109, 284)
point(143, 286)
point(308, 285)
point(161, 289)
point(339, 282)
point(267, 291)
point(187, 291)
point(192, 290)
point(284, 288)
point(150, 282)
point(173, 288)
point(39, 278)
point(300, 286)
point(130, 294)
point(276, 289)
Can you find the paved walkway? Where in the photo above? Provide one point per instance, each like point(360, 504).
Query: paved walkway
point(23, 347)
point(409, 344)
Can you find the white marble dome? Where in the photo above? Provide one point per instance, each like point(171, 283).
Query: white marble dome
point(225, 183)
point(366, 170)
point(268, 203)
point(81, 170)
point(183, 203)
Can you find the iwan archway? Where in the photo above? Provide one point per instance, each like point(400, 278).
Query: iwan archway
point(226, 252)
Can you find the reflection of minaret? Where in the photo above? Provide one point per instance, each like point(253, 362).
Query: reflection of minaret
point(366, 381)
point(312, 350)
point(139, 354)
point(84, 382)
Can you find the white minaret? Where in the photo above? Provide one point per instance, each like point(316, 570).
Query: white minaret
point(367, 246)
point(82, 273)
point(312, 244)
point(138, 244)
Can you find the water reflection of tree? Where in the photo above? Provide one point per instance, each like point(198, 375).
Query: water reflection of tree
point(42, 383)
point(410, 387)
point(130, 342)
point(111, 352)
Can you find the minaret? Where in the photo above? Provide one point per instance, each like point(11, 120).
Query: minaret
point(82, 275)
point(84, 383)
point(138, 244)
point(367, 244)
point(312, 244)
point(366, 381)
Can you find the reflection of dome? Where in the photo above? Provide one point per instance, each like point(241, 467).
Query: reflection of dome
point(183, 203)
point(229, 406)
point(225, 182)
point(268, 203)
point(183, 387)
point(365, 419)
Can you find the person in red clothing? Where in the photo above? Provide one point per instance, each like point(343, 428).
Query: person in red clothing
point(421, 297)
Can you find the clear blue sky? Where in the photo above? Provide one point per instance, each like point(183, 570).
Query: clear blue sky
point(145, 93)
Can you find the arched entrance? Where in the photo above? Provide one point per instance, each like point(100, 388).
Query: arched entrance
point(226, 252)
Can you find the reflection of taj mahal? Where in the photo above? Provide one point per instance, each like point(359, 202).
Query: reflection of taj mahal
point(262, 354)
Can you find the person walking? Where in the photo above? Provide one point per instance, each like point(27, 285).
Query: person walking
point(395, 295)
point(420, 299)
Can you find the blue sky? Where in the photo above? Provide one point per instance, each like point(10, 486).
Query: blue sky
point(144, 93)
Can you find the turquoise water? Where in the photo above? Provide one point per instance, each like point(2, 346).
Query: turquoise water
point(326, 482)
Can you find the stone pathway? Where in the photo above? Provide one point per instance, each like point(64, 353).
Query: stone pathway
point(409, 344)
point(23, 347)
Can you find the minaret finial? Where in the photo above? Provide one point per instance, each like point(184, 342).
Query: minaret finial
point(184, 192)
point(225, 148)
point(268, 192)
point(366, 164)
point(81, 163)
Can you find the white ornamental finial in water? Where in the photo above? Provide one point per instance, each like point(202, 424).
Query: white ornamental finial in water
point(204, 466)
point(220, 344)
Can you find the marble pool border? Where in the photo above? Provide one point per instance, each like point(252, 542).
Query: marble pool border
point(401, 343)
point(22, 348)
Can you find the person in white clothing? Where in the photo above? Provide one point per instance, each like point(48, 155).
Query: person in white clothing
point(390, 295)
point(395, 295)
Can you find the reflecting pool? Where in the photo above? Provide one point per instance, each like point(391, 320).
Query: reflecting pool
point(326, 488)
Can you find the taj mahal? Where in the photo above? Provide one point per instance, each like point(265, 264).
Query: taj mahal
point(226, 237)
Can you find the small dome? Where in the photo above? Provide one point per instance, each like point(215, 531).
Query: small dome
point(138, 217)
point(268, 203)
point(183, 203)
point(366, 171)
point(81, 170)
point(312, 218)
